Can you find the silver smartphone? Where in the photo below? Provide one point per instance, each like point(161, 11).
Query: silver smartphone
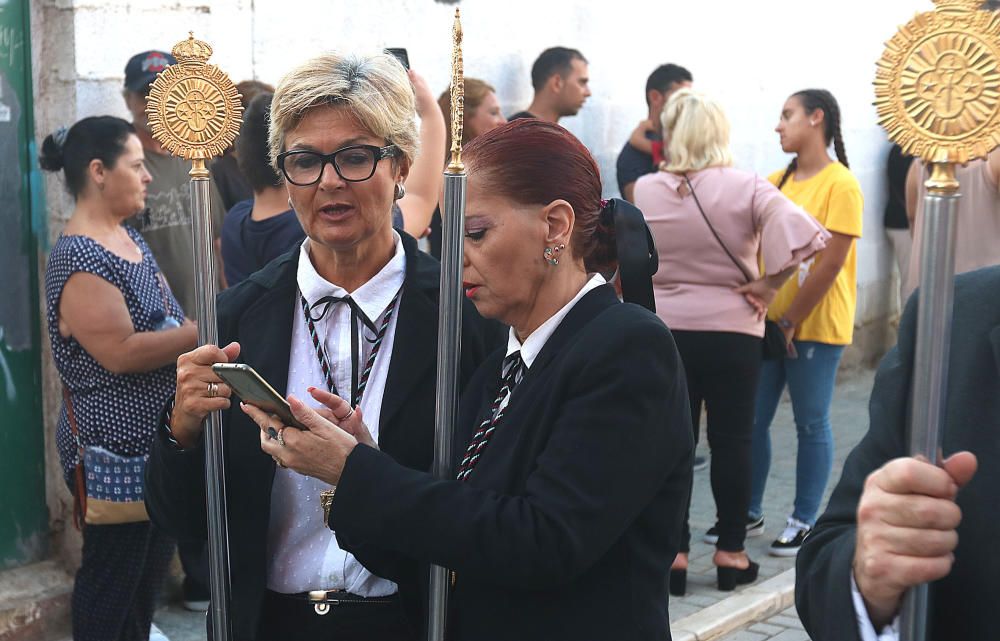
point(254, 390)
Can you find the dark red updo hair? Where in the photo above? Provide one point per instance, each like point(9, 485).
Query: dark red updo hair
point(534, 162)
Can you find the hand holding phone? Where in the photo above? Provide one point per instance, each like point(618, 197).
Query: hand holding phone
point(254, 390)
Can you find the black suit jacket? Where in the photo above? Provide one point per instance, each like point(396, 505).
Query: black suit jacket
point(569, 523)
point(963, 603)
point(258, 313)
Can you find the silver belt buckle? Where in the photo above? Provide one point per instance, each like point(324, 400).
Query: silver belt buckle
point(321, 604)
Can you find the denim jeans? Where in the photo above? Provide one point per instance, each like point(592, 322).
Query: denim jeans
point(810, 379)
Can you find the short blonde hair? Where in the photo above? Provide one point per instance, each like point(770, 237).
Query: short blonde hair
point(374, 88)
point(695, 133)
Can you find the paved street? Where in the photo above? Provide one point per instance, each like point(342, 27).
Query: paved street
point(850, 421)
point(784, 626)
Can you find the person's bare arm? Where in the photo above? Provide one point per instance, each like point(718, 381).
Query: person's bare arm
point(993, 166)
point(913, 190)
point(93, 311)
point(423, 185)
point(821, 278)
point(638, 138)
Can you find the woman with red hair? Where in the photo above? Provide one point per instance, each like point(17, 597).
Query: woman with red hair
point(573, 445)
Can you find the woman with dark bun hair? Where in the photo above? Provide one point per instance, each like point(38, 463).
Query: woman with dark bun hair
point(116, 332)
point(573, 446)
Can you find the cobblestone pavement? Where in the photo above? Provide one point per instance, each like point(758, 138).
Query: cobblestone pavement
point(850, 421)
point(784, 626)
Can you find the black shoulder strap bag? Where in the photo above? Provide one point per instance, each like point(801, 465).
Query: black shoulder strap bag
point(773, 344)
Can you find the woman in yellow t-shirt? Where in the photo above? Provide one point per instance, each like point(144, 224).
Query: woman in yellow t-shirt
point(815, 309)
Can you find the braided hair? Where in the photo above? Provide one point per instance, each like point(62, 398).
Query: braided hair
point(813, 99)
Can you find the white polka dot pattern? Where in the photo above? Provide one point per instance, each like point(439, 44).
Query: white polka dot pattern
point(117, 412)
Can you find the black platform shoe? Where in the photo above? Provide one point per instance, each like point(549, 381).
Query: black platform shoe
point(729, 578)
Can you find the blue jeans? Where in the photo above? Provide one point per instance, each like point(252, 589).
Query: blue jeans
point(810, 379)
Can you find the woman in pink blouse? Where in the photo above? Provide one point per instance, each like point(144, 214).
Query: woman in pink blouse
point(706, 217)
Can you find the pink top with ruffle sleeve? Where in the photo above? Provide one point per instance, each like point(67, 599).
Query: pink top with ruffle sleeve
point(694, 286)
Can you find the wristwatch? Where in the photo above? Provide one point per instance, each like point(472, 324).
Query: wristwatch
point(785, 324)
point(326, 501)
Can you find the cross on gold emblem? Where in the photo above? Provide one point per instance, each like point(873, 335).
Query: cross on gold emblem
point(950, 85)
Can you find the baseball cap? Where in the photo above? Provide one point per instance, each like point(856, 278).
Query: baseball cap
point(142, 68)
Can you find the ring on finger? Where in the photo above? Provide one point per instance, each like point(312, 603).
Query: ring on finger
point(281, 438)
point(346, 416)
point(278, 461)
point(213, 390)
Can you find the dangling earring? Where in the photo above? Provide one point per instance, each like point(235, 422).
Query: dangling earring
point(550, 254)
point(400, 191)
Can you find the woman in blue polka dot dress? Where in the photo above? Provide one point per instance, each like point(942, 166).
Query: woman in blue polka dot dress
point(116, 331)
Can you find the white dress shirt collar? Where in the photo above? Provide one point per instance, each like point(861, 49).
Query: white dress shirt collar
point(372, 297)
point(533, 345)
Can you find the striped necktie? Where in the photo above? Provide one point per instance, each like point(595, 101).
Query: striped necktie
point(511, 374)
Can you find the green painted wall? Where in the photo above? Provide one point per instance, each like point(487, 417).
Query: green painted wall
point(23, 513)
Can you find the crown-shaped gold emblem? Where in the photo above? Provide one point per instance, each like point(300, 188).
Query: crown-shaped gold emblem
point(194, 108)
point(192, 50)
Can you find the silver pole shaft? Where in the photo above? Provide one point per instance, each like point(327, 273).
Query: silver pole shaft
point(449, 351)
point(215, 483)
point(930, 368)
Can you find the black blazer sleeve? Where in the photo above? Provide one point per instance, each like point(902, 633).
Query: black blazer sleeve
point(823, 566)
point(613, 445)
point(479, 337)
point(175, 479)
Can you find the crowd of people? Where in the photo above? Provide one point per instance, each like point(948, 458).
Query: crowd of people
point(579, 412)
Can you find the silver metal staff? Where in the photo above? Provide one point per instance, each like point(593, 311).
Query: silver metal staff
point(194, 112)
point(450, 318)
point(936, 96)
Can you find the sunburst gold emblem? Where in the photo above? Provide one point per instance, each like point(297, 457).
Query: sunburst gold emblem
point(937, 86)
point(194, 108)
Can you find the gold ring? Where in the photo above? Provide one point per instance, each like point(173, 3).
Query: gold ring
point(346, 416)
point(213, 390)
point(281, 439)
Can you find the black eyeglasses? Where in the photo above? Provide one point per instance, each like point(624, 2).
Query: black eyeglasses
point(354, 164)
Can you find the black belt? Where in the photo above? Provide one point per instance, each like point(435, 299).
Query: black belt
point(323, 599)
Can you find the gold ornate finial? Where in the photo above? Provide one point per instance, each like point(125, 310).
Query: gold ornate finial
point(193, 107)
point(936, 86)
point(192, 50)
point(457, 97)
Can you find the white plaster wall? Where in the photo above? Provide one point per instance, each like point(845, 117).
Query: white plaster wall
point(750, 55)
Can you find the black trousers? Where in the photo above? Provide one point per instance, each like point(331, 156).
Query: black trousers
point(285, 618)
point(119, 580)
point(722, 371)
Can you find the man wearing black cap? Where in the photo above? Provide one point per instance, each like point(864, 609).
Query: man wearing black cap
point(166, 227)
point(166, 223)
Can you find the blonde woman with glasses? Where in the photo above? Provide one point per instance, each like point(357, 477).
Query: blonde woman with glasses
point(711, 223)
point(353, 310)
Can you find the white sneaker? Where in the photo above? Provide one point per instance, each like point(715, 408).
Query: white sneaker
point(156, 634)
point(791, 538)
